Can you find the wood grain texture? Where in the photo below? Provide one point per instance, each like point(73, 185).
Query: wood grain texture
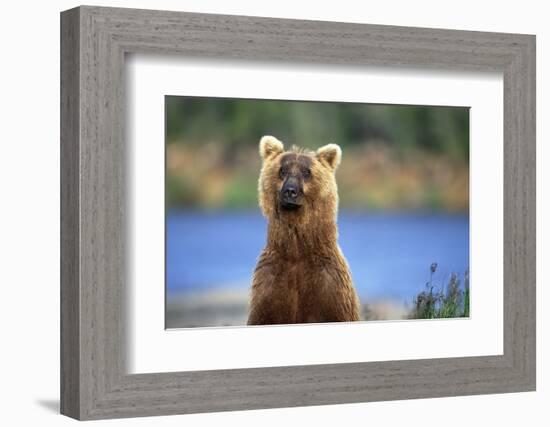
point(70, 258)
point(94, 382)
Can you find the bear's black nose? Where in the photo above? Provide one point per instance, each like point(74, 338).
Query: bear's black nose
point(290, 193)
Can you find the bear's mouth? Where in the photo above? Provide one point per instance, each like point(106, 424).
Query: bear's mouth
point(289, 206)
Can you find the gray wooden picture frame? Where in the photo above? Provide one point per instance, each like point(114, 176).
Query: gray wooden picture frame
point(94, 42)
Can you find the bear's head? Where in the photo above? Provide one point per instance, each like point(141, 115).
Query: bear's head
point(297, 184)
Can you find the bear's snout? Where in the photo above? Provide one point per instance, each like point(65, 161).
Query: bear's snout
point(291, 194)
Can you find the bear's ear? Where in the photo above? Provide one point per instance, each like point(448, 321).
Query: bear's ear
point(270, 146)
point(331, 154)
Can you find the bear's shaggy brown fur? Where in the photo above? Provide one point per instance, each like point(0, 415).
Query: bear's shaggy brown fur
point(301, 275)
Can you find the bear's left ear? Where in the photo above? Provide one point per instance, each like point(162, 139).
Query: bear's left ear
point(331, 154)
point(270, 146)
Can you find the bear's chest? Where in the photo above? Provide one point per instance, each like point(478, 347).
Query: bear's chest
point(307, 284)
point(299, 275)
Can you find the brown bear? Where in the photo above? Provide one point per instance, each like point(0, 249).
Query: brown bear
point(301, 275)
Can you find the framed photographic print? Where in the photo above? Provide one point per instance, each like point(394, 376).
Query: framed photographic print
point(262, 213)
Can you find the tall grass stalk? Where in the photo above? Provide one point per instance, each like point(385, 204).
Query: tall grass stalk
point(453, 300)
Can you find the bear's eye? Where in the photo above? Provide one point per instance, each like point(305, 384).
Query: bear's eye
point(282, 172)
point(306, 173)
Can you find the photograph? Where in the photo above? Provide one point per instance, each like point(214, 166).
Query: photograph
point(280, 210)
point(285, 212)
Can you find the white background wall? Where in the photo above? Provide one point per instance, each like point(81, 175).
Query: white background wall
point(29, 213)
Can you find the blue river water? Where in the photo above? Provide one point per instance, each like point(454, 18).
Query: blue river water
point(389, 254)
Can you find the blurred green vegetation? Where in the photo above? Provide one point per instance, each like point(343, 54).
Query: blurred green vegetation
point(394, 156)
point(451, 301)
